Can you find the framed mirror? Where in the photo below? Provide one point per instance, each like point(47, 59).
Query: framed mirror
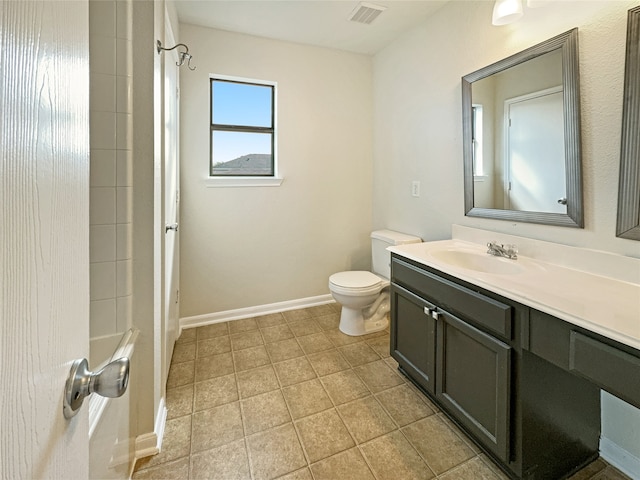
point(521, 133)
point(628, 223)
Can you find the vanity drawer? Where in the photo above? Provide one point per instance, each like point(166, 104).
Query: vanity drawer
point(549, 338)
point(615, 369)
point(495, 316)
point(612, 369)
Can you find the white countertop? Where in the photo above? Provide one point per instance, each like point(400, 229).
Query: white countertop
point(607, 306)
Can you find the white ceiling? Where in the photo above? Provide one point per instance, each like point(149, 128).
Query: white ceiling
point(322, 23)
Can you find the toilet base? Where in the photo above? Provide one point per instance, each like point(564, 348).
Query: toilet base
point(353, 323)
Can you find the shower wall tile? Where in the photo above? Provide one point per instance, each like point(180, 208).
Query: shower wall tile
point(102, 54)
point(103, 280)
point(102, 243)
point(102, 92)
point(123, 93)
point(124, 168)
point(124, 307)
point(102, 205)
point(103, 168)
point(124, 56)
point(123, 19)
point(103, 130)
point(124, 243)
point(124, 132)
point(123, 278)
point(111, 138)
point(102, 18)
point(103, 317)
point(124, 205)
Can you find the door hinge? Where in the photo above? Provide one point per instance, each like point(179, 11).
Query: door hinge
point(177, 295)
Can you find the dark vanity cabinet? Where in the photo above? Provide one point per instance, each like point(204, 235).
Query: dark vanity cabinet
point(474, 377)
point(468, 350)
point(413, 338)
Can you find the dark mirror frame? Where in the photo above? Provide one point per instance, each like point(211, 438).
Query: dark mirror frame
point(574, 217)
point(628, 223)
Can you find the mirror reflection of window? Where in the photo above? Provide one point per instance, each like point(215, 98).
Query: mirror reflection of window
point(476, 135)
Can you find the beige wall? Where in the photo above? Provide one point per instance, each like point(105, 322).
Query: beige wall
point(418, 130)
point(251, 246)
point(418, 122)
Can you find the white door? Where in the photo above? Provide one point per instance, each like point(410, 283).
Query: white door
point(171, 198)
point(44, 219)
point(535, 167)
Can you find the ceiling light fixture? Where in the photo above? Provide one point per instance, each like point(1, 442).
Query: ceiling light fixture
point(366, 13)
point(506, 11)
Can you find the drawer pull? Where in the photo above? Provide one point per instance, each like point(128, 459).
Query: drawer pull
point(432, 312)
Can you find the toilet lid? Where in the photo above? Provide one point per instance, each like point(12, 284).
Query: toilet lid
point(355, 279)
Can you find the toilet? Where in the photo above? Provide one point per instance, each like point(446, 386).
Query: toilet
point(364, 296)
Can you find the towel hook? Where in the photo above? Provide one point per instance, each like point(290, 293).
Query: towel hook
point(183, 55)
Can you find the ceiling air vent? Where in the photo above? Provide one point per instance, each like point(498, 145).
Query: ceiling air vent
point(366, 13)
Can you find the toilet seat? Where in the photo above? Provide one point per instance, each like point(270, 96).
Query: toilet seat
point(355, 283)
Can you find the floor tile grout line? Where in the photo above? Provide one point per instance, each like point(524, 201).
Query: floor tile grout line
point(415, 449)
point(245, 440)
point(280, 389)
point(251, 466)
point(280, 384)
point(458, 432)
point(367, 461)
point(478, 454)
point(400, 427)
point(355, 441)
point(335, 407)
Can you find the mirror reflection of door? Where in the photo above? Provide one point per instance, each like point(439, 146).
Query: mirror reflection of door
point(537, 77)
point(534, 157)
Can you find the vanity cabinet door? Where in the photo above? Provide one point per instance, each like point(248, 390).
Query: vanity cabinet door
point(413, 336)
point(474, 371)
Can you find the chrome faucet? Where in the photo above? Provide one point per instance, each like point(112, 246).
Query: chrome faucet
point(499, 250)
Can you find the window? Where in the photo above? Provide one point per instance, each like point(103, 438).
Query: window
point(242, 128)
point(476, 136)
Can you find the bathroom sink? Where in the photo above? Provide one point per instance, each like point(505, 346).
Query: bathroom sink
point(480, 262)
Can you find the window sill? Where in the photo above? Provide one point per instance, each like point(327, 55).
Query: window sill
point(222, 182)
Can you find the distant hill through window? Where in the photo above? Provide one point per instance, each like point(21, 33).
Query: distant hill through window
point(251, 164)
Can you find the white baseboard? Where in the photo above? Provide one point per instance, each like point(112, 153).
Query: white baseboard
point(150, 443)
point(248, 312)
point(617, 456)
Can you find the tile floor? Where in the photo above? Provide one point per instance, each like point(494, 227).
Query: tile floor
point(289, 396)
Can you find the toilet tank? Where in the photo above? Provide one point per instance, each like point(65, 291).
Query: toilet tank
point(380, 257)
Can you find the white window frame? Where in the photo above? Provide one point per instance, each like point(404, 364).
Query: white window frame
point(478, 145)
point(247, 181)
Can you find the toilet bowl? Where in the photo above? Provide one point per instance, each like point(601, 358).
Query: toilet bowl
point(364, 295)
point(364, 298)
